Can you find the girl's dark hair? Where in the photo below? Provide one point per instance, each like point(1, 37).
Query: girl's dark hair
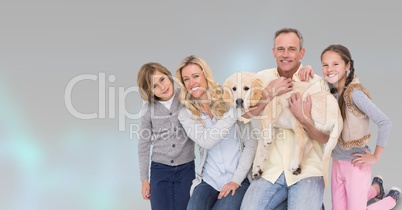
point(347, 58)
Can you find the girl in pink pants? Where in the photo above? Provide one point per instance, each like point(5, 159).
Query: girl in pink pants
point(352, 158)
point(351, 188)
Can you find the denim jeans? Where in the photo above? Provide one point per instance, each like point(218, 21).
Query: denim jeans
point(170, 185)
point(263, 195)
point(206, 197)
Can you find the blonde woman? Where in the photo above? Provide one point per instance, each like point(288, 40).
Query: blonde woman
point(226, 145)
point(226, 153)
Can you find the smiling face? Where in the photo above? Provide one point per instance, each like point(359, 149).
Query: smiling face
point(287, 53)
point(334, 68)
point(194, 80)
point(162, 87)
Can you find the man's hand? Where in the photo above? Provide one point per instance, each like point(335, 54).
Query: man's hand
point(302, 111)
point(299, 108)
point(278, 87)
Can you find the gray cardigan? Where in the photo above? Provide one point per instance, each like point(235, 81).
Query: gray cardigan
point(161, 128)
point(206, 138)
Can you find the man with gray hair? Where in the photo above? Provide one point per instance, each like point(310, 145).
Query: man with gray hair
point(278, 187)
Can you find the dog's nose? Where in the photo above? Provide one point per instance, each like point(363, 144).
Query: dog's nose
point(239, 102)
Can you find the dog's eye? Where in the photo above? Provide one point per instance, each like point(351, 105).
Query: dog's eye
point(246, 88)
point(234, 88)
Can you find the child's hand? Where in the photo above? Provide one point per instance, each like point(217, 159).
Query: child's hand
point(305, 73)
point(362, 160)
point(146, 189)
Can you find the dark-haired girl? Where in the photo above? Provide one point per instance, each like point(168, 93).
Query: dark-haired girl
point(352, 158)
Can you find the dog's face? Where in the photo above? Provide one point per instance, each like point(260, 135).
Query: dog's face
point(243, 89)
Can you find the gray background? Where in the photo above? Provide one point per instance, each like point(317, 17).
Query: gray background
point(50, 159)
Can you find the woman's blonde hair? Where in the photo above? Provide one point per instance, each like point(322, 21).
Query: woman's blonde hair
point(214, 90)
point(144, 79)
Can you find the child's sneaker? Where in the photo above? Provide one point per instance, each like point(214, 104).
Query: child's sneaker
point(379, 180)
point(395, 192)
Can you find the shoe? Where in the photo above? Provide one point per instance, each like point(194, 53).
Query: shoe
point(395, 192)
point(379, 180)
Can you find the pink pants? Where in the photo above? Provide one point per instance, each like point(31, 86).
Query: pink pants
point(351, 188)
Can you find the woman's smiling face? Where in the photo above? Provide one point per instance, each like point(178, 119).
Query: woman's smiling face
point(194, 80)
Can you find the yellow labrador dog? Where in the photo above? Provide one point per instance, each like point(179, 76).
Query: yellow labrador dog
point(244, 89)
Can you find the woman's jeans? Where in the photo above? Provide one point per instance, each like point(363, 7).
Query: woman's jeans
point(206, 197)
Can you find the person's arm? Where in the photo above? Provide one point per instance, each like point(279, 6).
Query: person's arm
point(245, 162)
point(250, 141)
point(276, 87)
point(144, 150)
point(375, 114)
point(207, 137)
point(362, 159)
point(302, 111)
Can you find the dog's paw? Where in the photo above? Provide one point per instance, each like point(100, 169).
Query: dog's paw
point(257, 171)
point(256, 175)
point(260, 172)
point(297, 171)
point(295, 167)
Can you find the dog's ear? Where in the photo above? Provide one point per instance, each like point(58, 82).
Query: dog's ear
point(227, 93)
point(256, 93)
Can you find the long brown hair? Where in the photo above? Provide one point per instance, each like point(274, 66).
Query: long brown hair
point(347, 58)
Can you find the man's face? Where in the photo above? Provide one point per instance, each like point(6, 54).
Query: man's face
point(287, 52)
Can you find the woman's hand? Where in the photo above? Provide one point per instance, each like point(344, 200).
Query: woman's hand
point(227, 188)
point(146, 190)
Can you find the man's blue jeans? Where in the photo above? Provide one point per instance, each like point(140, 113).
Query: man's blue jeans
point(206, 197)
point(306, 194)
